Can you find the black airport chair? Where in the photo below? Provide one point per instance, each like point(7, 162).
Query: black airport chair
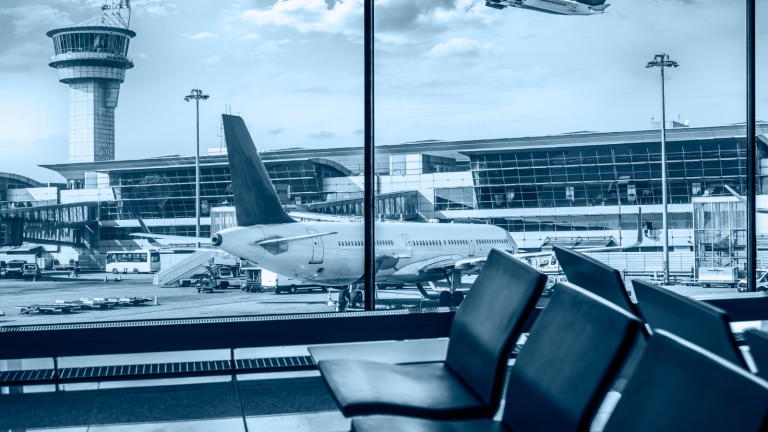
point(697, 322)
point(561, 375)
point(757, 341)
point(595, 276)
point(679, 386)
point(470, 381)
point(604, 281)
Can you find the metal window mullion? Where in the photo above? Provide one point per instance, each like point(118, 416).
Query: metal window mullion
point(370, 179)
point(751, 185)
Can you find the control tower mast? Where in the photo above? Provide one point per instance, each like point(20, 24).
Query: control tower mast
point(92, 58)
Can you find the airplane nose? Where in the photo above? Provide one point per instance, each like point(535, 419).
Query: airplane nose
point(217, 239)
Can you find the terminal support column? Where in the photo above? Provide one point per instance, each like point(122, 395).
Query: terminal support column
point(370, 180)
point(751, 172)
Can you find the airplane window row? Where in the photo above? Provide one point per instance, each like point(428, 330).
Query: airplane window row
point(439, 242)
point(491, 241)
point(361, 243)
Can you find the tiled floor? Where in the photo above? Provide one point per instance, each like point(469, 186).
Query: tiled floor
point(292, 402)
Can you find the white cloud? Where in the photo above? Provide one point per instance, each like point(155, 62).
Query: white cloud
point(212, 60)
point(398, 22)
point(251, 36)
point(153, 8)
point(311, 15)
point(460, 47)
point(204, 35)
point(30, 19)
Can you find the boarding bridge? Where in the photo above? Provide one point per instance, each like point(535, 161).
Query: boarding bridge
point(190, 265)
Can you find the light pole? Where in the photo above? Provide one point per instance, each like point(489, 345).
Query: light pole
point(197, 95)
point(662, 61)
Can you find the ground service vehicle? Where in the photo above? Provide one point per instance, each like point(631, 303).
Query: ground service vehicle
point(205, 285)
point(762, 281)
point(550, 266)
point(292, 286)
point(190, 281)
point(223, 277)
point(727, 276)
point(14, 268)
point(258, 279)
point(30, 271)
point(138, 261)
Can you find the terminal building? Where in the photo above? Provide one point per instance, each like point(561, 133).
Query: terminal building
point(581, 189)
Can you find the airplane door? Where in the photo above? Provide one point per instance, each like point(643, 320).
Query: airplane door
point(471, 248)
point(317, 248)
point(408, 245)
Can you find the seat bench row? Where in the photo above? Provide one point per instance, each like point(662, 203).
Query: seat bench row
point(673, 360)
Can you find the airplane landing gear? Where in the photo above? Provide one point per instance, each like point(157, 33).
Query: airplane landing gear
point(445, 298)
point(350, 297)
point(457, 298)
point(454, 297)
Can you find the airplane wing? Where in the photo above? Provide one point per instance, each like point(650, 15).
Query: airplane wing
point(602, 249)
point(291, 239)
point(172, 239)
point(438, 263)
point(169, 239)
point(743, 200)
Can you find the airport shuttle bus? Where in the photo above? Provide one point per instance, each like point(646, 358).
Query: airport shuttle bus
point(138, 261)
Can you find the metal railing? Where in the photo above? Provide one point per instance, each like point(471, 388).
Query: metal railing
point(82, 54)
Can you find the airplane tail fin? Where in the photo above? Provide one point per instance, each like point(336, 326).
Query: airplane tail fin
point(146, 230)
point(256, 202)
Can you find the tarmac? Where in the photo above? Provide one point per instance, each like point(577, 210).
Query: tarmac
point(177, 302)
point(172, 301)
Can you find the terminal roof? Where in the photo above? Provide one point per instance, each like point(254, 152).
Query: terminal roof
point(352, 158)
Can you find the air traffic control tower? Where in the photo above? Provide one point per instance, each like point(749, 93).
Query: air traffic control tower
point(92, 58)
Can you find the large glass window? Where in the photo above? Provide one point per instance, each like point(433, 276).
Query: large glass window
point(485, 121)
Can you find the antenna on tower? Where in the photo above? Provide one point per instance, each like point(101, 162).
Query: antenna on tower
point(121, 8)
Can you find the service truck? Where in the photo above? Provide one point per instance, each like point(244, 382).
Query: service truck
point(223, 277)
point(727, 276)
point(761, 282)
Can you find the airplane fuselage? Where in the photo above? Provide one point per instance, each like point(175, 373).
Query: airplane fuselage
point(557, 7)
point(404, 251)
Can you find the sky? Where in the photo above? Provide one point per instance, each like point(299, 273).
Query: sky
point(444, 69)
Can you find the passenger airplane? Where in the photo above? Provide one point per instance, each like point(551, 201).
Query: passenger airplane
point(331, 253)
point(743, 200)
point(557, 7)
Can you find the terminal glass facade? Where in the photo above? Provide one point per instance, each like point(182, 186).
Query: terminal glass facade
point(170, 193)
point(626, 174)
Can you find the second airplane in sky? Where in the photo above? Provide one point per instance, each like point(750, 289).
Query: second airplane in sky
point(557, 7)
